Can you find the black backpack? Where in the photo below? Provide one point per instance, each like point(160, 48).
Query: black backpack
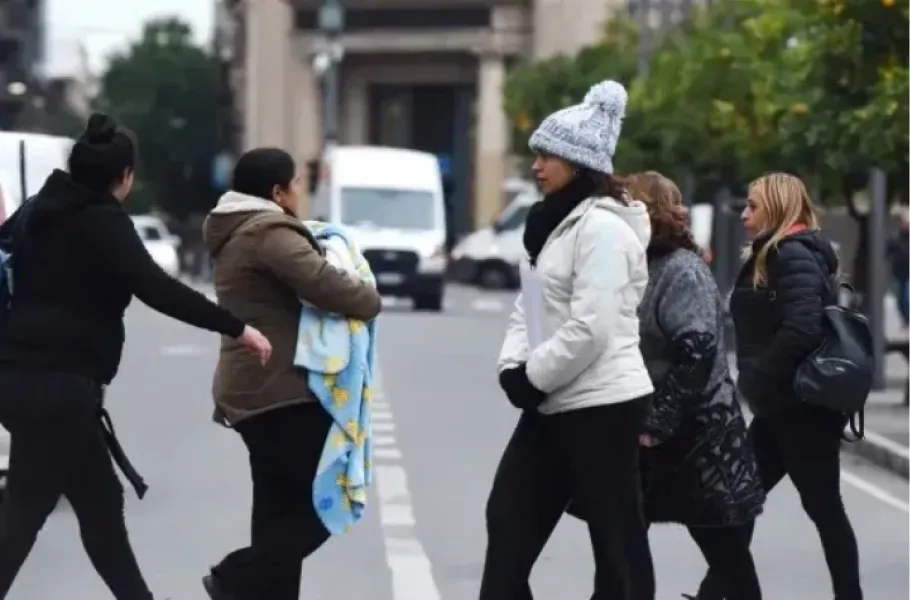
point(14, 230)
point(838, 373)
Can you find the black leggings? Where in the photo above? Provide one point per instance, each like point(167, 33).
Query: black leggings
point(58, 448)
point(805, 444)
point(588, 455)
point(726, 550)
point(285, 446)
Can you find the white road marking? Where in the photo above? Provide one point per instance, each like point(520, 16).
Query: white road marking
point(412, 571)
point(873, 490)
point(182, 350)
point(487, 305)
point(386, 454)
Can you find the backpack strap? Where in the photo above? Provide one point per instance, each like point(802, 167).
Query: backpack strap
point(857, 427)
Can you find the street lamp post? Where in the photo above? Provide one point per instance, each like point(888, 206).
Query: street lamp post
point(331, 24)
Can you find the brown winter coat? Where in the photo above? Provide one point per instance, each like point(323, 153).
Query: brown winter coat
point(265, 263)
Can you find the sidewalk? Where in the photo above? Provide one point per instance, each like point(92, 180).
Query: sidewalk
point(887, 433)
point(887, 422)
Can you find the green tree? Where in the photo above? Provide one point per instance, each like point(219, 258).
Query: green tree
point(854, 78)
point(164, 87)
point(536, 89)
point(719, 90)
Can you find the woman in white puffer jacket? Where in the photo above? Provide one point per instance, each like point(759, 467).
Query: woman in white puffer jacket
point(571, 363)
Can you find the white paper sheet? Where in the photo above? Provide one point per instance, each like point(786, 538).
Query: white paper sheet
point(532, 304)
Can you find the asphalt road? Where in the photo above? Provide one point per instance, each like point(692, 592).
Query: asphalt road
point(440, 430)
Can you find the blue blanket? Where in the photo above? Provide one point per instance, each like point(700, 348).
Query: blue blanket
point(340, 356)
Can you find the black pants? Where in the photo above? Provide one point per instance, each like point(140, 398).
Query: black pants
point(589, 456)
point(58, 449)
point(805, 444)
point(284, 445)
point(726, 550)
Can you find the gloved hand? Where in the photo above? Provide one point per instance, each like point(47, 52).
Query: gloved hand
point(519, 390)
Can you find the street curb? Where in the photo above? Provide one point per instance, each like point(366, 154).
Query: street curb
point(882, 452)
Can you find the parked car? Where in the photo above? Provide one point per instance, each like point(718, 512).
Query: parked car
point(160, 242)
point(489, 257)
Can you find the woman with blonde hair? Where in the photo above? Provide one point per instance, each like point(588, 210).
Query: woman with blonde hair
point(777, 308)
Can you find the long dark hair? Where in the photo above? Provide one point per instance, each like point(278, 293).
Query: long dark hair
point(606, 185)
point(103, 154)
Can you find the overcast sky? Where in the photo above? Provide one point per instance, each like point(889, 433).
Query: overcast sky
point(105, 26)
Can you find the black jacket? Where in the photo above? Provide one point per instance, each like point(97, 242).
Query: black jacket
point(779, 325)
point(77, 263)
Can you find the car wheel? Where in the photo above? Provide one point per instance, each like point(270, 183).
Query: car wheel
point(494, 275)
point(430, 302)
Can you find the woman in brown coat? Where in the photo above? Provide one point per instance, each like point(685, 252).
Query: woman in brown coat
point(265, 263)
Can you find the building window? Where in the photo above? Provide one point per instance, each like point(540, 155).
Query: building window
point(402, 18)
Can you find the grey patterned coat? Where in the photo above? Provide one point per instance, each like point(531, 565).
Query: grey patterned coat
point(702, 471)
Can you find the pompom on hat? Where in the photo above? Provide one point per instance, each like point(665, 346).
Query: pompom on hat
point(585, 134)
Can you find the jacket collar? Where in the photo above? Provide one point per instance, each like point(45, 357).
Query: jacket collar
point(234, 202)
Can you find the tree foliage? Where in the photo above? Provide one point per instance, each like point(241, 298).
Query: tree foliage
point(814, 87)
point(164, 87)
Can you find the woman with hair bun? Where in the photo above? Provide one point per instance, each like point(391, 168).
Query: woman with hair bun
point(77, 262)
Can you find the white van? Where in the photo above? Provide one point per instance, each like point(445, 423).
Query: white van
point(489, 257)
point(43, 154)
point(392, 201)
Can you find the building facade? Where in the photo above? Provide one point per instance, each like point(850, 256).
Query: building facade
point(21, 51)
point(424, 74)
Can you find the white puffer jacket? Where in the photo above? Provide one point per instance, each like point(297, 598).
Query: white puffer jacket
point(593, 271)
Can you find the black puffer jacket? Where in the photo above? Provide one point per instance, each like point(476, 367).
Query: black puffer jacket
point(779, 325)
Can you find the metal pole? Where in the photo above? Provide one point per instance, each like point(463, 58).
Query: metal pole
point(876, 278)
point(23, 174)
point(644, 37)
point(330, 104)
point(331, 23)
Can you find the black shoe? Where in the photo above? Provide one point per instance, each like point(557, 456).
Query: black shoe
point(215, 591)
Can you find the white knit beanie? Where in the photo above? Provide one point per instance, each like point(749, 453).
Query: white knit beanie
point(585, 134)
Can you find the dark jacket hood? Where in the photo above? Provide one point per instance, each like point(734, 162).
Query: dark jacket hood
point(814, 240)
point(57, 198)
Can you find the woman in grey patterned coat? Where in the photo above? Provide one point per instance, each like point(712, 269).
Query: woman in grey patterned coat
point(697, 465)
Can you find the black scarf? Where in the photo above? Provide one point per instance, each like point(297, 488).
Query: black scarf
point(546, 215)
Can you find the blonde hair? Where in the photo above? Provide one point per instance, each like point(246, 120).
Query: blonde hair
point(785, 203)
